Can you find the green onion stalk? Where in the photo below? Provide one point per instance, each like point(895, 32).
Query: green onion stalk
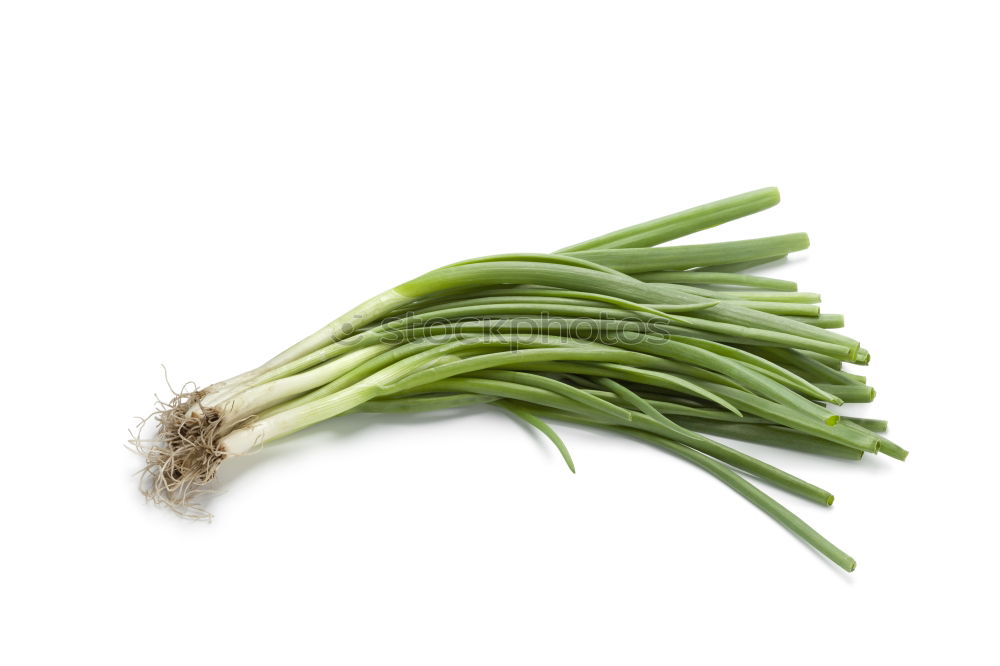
point(673, 346)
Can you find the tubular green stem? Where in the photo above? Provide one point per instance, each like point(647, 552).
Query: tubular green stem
point(686, 222)
point(754, 495)
point(428, 403)
point(775, 337)
point(892, 449)
point(627, 373)
point(712, 360)
point(442, 312)
point(365, 382)
point(805, 366)
point(825, 360)
point(815, 392)
point(528, 308)
point(730, 456)
point(681, 257)
point(430, 365)
point(753, 295)
point(587, 401)
point(766, 295)
point(258, 399)
point(725, 318)
point(730, 333)
point(525, 415)
point(785, 307)
point(697, 361)
point(574, 298)
point(732, 314)
point(743, 341)
point(777, 308)
point(850, 392)
point(448, 297)
point(840, 433)
point(822, 321)
point(771, 435)
point(546, 270)
point(671, 374)
point(341, 327)
point(678, 409)
point(772, 413)
point(705, 277)
point(885, 445)
point(641, 421)
point(776, 371)
point(422, 349)
point(595, 331)
point(577, 351)
point(873, 425)
point(574, 278)
point(431, 322)
point(745, 375)
point(632, 399)
point(788, 439)
point(738, 266)
point(656, 380)
point(504, 300)
point(539, 257)
point(559, 326)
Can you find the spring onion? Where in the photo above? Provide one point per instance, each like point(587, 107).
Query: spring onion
point(670, 345)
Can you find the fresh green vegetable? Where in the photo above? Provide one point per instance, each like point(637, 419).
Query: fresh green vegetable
point(670, 345)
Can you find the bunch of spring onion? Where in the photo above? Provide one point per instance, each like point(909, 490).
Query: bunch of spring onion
point(670, 345)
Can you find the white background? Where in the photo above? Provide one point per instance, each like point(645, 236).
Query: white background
point(199, 184)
